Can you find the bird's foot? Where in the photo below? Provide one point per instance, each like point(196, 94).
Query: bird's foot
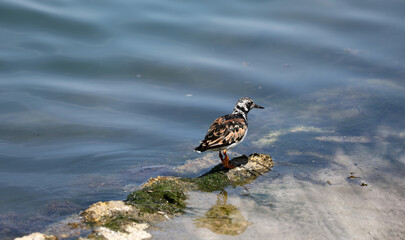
point(229, 166)
point(226, 164)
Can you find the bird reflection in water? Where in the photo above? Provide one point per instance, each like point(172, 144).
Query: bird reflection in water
point(223, 218)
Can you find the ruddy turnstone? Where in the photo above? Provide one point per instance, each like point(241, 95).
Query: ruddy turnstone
point(228, 131)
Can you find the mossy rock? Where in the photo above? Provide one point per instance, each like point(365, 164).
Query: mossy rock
point(167, 194)
point(117, 222)
point(215, 181)
point(246, 170)
point(164, 196)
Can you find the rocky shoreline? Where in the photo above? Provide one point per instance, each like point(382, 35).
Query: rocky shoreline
point(159, 199)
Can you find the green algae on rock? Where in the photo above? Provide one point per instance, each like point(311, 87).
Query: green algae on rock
point(246, 170)
point(116, 222)
point(215, 181)
point(165, 196)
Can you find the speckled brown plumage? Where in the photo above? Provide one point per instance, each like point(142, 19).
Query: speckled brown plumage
point(223, 132)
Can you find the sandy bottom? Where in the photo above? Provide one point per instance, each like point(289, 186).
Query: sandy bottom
point(356, 195)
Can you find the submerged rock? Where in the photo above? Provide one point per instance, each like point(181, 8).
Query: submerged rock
point(223, 218)
point(69, 228)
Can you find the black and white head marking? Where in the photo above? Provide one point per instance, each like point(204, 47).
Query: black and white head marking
point(243, 106)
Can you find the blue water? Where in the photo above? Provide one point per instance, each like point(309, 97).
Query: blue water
point(95, 94)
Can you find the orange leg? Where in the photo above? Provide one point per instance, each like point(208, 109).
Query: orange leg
point(221, 157)
point(226, 161)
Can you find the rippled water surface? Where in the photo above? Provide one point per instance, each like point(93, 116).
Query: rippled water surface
point(98, 96)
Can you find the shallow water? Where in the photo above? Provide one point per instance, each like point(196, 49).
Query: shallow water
point(96, 97)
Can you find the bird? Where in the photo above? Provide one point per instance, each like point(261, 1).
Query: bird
point(228, 131)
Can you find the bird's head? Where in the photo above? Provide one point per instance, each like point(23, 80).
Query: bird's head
point(244, 105)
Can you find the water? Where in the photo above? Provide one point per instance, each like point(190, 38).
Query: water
point(98, 96)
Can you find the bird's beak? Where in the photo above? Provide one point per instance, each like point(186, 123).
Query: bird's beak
point(257, 106)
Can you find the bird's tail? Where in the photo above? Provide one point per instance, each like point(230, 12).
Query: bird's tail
point(200, 148)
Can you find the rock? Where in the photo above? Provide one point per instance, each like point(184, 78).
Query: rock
point(70, 227)
point(167, 194)
point(119, 217)
point(249, 168)
point(132, 231)
point(99, 213)
point(151, 181)
point(161, 194)
point(162, 198)
point(37, 236)
point(246, 170)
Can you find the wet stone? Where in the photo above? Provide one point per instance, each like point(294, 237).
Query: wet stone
point(249, 168)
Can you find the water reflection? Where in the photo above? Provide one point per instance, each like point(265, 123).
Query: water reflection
point(223, 218)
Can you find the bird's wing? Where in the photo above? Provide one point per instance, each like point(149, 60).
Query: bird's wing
point(225, 131)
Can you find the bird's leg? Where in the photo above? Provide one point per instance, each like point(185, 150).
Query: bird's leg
point(221, 157)
point(226, 161)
